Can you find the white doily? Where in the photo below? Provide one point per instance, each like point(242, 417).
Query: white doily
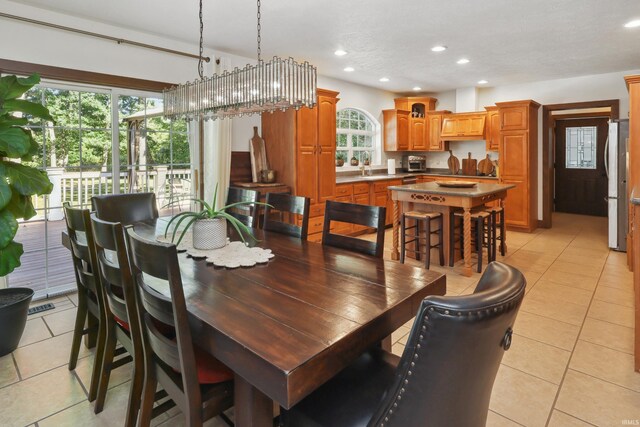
point(233, 255)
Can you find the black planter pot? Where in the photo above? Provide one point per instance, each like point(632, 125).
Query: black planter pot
point(14, 304)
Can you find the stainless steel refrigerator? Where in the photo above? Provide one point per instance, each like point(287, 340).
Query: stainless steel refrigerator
point(617, 167)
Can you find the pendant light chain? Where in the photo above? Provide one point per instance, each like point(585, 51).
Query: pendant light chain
point(259, 38)
point(200, 64)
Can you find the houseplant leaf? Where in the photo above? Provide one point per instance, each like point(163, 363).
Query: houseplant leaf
point(12, 87)
point(21, 206)
point(14, 142)
point(28, 107)
point(8, 121)
point(8, 227)
point(5, 193)
point(10, 257)
point(26, 180)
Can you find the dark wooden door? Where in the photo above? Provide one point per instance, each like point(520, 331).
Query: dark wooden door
point(581, 180)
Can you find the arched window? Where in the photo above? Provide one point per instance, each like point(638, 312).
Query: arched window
point(358, 135)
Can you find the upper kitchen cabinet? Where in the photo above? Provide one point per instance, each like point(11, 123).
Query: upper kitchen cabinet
point(463, 126)
point(406, 126)
point(492, 128)
point(519, 162)
point(416, 104)
point(434, 129)
point(301, 148)
point(396, 130)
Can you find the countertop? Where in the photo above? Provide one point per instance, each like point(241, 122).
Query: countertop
point(383, 176)
point(479, 190)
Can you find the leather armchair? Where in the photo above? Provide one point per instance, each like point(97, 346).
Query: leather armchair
point(445, 375)
point(125, 208)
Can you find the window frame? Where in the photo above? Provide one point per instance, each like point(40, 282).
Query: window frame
point(375, 133)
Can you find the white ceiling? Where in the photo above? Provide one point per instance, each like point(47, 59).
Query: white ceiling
point(507, 41)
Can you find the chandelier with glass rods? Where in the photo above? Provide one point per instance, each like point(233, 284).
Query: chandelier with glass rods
point(267, 86)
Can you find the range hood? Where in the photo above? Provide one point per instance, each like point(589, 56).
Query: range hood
point(463, 126)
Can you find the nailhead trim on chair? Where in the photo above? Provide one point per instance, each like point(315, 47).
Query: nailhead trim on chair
point(500, 307)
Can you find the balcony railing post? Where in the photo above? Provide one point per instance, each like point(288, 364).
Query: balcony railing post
point(55, 198)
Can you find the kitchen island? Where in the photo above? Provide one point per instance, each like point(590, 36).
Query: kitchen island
point(429, 196)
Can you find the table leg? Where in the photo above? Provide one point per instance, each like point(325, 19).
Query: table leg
point(252, 407)
point(503, 233)
point(386, 344)
point(466, 226)
point(395, 254)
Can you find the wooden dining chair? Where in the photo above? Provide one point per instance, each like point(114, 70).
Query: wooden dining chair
point(126, 208)
point(90, 297)
point(247, 214)
point(369, 216)
point(200, 385)
point(296, 208)
point(121, 323)
point(446, 372)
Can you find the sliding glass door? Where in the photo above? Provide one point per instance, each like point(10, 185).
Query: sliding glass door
point(103, 141)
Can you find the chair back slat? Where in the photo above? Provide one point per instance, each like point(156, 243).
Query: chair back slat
point(247, 214)
point(162, 346)
point(154, 263)
point(466, 334)
point(370, 216)
point(115, 271)
point(82, 248)
point(126, 208)
point(295, 207)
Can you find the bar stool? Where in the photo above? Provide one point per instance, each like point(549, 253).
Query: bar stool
point(481, 226)
point(497, 219)
point(424, 218)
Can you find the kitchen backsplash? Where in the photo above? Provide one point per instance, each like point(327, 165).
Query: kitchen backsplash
point(460, 149)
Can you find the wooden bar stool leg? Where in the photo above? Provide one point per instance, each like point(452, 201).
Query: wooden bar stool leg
point(416, 236)
point(402, 238)
point(427, 249)
point(502, 245)
point(494, 235)
point(81, 317)
point(441, 238)
point(489, 232)
point(452, 238)
point(479, 239)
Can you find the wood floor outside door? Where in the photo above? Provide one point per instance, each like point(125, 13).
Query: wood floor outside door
point(581, 190)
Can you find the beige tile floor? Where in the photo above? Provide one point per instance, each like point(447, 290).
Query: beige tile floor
point(570, 363)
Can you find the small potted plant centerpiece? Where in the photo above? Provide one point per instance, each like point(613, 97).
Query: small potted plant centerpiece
point(340, 158)
point(365, 160)
point(209, 224)
point(354, 161)
point(18, 182)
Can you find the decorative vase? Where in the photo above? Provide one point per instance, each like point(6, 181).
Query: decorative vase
point(14, 304)
point(354, 161)
point(339, 162)
point(210, 233)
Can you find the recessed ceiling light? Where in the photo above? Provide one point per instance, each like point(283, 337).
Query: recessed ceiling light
point(384, 79)
point(340, 52)
point(438, 48)
point(463, 61)
point(482, 82)
point(349, 69)
point(417, 88)
point(633, 24)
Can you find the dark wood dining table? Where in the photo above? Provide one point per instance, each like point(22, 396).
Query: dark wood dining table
point(288, 326)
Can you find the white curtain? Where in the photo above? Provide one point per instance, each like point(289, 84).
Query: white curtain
point(217, 159)
point(216, 155)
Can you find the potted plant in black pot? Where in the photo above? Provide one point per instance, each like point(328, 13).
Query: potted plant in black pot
point(18, 182)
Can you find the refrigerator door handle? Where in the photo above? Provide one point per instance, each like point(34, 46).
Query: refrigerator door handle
point(606, 156)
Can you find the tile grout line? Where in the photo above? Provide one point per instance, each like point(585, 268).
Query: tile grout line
point(542, 342)
point(503, 416)
point(577, 418)
point(15, 364)
point(604, 381)
point(566, 369)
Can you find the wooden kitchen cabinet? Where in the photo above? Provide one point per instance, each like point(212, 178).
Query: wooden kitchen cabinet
point(492, 129)
point(301, 149)
point(518, 162)
point(418, 134)
point(396, 130)
point(463, 126)
point(434, 128)
point(419, 104)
